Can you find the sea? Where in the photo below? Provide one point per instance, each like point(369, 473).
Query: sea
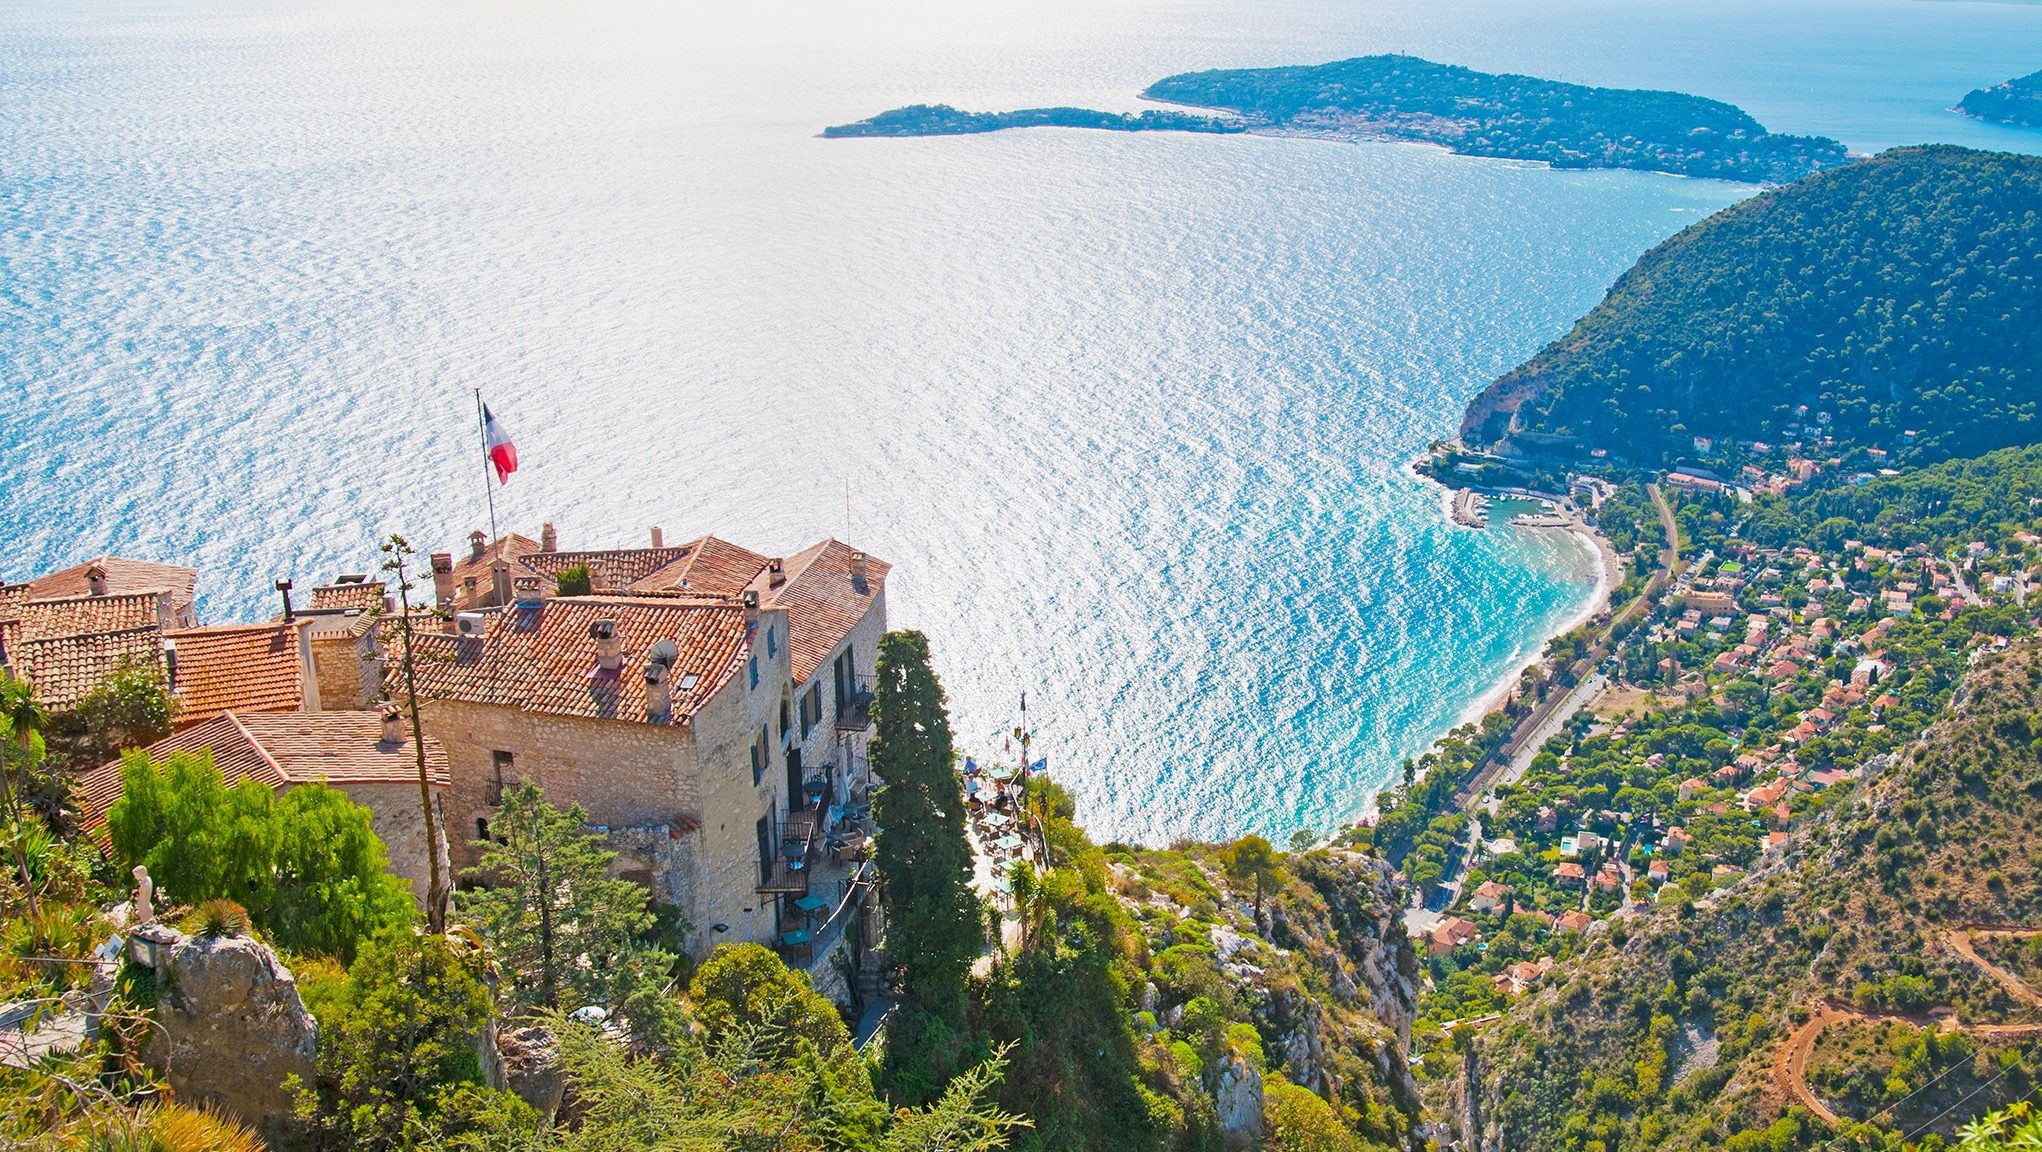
point(1131, 416)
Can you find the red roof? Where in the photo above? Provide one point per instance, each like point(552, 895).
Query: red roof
point(709, 567)
point(279, 749)
point(122, 576)
point(366, 595)
point(824, 603)
point(242, 667)
point(543, 659)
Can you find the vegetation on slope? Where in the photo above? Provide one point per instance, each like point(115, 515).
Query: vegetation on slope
point(1667, 1032)
point(1894, 302)
point(1521, 117)
point(2016, 101)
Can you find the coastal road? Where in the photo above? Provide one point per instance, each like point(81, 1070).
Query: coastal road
point(1516, 752)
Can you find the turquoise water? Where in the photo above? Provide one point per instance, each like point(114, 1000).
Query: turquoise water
point(1130, 414)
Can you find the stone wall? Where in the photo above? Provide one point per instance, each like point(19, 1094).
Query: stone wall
point(346, 671)
point(625, 774)
point(394, 814)
point(823, 744)
point(727, 860)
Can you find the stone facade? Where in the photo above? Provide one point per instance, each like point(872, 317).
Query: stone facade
point(345, 667)
point(822, 743)
point(681, 803)
point(400, 824)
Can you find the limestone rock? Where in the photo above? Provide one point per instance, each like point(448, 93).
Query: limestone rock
point(530, 1059)
point(232, 1029)
point(1237, 1097)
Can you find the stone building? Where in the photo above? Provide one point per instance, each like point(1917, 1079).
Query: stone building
point(67, 631)
point(707, 705)
point(366, 755)
point(652, 713)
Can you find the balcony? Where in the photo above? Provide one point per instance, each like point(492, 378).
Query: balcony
point(854, 708)
point(790, 869)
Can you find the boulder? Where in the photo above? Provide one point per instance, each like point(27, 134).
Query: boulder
point(232, 1030)
point(529, 1060)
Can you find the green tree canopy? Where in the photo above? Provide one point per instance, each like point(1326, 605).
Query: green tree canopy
point(564, 929)
point(397, 1043)
point(935, 923)
point(307, 866)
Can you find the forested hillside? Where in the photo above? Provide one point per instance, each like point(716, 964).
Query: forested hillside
point(1691, 1028)
point(1893, 303)
point(2016, 101)
point(1525, 117)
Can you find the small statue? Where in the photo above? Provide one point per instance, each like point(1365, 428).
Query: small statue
point(145, 889)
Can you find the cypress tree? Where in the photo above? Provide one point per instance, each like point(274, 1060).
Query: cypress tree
point(935, 924)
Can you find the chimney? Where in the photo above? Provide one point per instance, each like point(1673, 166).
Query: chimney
point(858, 568)
point(659, 700)
point(658, 537)
point(95, 580)
point(530, 592)
point(549, 538)
point(477, 544)
point(499, 583)
point(776, 573)
point(609, 649)
point(283, 590)
point(659, 697)
point(598, 576)
point(751, 608)
point(443, 578)
point(170, 663)
point(393, 725)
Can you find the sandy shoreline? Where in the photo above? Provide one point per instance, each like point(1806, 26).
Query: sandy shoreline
point(1608, 574)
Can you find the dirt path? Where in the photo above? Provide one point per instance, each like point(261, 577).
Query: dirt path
point(1789, 1077)
point(1960, 941)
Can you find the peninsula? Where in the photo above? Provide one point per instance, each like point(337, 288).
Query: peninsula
point(1411, 99)
point(2017, 101)
point(1888, 305)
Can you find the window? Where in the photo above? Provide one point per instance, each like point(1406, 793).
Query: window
point(762, 755)
point(481, 828)
point(811, 709)
point(758, 769)
point(786, 717)
point(755, 671)
point(502, 766)
point(772, 645)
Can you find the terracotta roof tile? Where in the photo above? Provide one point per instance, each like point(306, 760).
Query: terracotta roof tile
point(512, 547)
point(610, 570)
point(65, 669)
point(122, 575)
point(708, 566)
point(279, 749)
point(340, 597)
point(244, 667)
point(543, 659)
point(823, 602)
point(86, 615)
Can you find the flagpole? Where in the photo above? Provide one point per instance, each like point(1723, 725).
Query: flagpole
point(482, 426)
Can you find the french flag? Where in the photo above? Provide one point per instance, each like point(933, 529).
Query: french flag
point(503, 454)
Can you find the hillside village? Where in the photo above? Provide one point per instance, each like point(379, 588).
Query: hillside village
point(705, 704)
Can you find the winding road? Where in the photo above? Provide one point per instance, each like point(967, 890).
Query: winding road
point(1790, 1066)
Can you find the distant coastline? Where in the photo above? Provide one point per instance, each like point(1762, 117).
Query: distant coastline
point(1408, 99)
point(2017, 102)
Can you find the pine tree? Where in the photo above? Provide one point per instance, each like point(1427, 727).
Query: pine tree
point(935, 924)
point(562, 927)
